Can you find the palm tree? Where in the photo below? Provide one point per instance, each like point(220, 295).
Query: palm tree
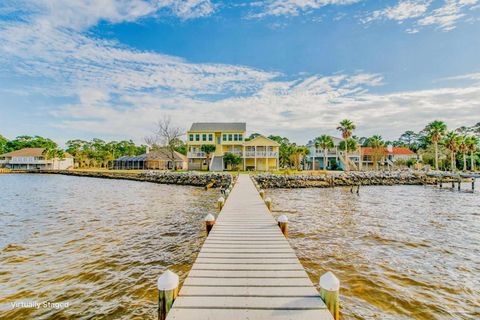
point(436, 130)
point(452, 142)
point(346, 146)
point(324, 142)
point(208, 149)
point(463, 149)
point(472, 143)
point(378, 149)
point(346, 127)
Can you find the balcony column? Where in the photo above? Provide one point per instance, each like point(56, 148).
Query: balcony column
point(244, 159)
point(255, 156)
point(266, 155)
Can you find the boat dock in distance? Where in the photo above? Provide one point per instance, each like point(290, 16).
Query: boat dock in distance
point(246, 269)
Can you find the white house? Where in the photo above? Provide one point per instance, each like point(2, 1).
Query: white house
point(34, 159)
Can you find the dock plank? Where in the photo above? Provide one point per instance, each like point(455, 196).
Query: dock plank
point(246, 269)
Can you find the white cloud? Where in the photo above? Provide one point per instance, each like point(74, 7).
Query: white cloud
point(424, 13)
point(82, 14)
point(292, 7)
point(402, 11)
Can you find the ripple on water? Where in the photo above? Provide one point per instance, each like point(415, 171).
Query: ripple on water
point(401, 252)
point(100, 248)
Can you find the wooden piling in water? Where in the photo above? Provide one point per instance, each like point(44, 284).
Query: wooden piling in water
point(283, 224)
point(220, 203)
point(268, 202)
point(262, 193)
point(167, 285)
point(459, 184)
point(473, 184)
point(209, 222)
point(330, 293)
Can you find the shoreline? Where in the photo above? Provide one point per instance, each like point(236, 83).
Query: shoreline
point(272, 181)
point(214, 180)
point(356, 178)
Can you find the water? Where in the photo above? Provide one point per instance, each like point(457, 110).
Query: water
point(400, 252)
point(97, 244)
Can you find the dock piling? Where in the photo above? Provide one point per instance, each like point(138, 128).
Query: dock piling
point(459, 184)
point(220, 203)
point(167, 285)
point(473, 184)
point(209, 222)
point(268, 202)
point(330, 293)
point(283, 224)
point(262, 193)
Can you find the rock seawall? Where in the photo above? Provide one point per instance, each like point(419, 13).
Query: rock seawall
point(352, 178)
point(179, 178)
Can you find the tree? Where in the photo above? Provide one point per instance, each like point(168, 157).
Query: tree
point(410, 139)
point(252, 136)
point(324, 142)
point(285, 150)
point(435, 131)
point(451, 142)
point(297, 153)
point(233, 160)
point(378, 149)
point(472, 143)
point(168, 136)
point(3, 144)
point(346, 127)
point(21, 142)
point(208, 149)
point(463, 148)
point(346, 146)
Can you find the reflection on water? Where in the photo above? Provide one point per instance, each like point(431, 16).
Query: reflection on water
point(98, 245)
point(400, 252)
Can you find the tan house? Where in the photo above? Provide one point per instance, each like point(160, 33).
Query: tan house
point(34, 159)
point(260, 153)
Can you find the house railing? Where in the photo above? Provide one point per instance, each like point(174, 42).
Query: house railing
point(196, 155)
point(261, 154)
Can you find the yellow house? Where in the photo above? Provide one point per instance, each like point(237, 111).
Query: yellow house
point(260, 153)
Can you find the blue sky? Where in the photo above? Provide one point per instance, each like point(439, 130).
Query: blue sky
point(110, 69)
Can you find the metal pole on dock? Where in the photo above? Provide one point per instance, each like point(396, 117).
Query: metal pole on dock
point(283, 224)
point(167, 285)
point(330, 293)
point(268, 202)
point(209, 222)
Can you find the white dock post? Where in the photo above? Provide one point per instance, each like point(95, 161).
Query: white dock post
point(220, 203)
point(329, 291)
point(268, 202)
point(262, 193)
point(209, 222)
point(283, 224)
point(167, 285)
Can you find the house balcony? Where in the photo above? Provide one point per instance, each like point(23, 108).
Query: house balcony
point(199, 155)
point(261, 154)
point(236, 152)
point(28, 162)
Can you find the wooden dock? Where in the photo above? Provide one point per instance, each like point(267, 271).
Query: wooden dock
point(246, 269)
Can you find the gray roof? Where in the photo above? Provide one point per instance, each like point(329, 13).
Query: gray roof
point(219, 126)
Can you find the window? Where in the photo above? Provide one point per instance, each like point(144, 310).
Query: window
point(224, 137)
point(210, 137)
point(191, 137)
point(240, 137)
point(197, 137)
point(204, 137)
point(230, 137)
point(235, 137)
